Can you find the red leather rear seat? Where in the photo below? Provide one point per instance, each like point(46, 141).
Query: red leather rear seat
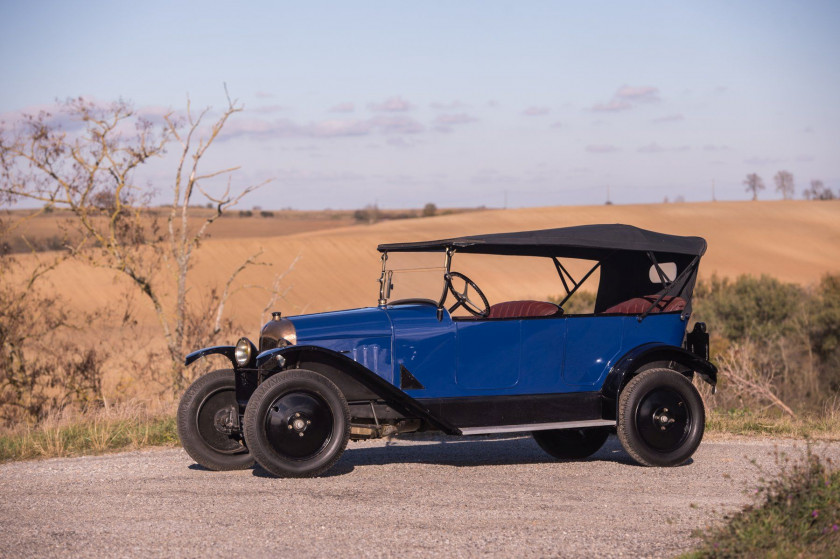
point(523, 309)
point(641, 304)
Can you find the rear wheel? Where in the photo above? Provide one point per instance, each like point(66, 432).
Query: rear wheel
point(297, 424)
point(207, 415)
point(660, 418)
point(571, 444)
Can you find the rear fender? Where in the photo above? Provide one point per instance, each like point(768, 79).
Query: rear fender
point(355, 381)
point(649, 355)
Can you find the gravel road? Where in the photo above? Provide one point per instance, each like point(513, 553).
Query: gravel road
point(407, 497)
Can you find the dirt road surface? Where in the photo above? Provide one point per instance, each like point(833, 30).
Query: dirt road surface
point(433, 497)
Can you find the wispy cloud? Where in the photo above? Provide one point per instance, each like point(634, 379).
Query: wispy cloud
point(536, 111)
point(330, 128)
point(259, 128)
point(601, 148)
point(396, 125)
point(715, 148)
point(337, 128)
point(402, 141)
point(450, 106)
point(458, 118)
point(627, 97)
point(653, 147)
point(611, 107)
point(263, 95)
point(342, 108)
point(676, 117)
point(392, 105)
point(638, 94)
point(444, 123)
point(760, 160)
point(267, 109)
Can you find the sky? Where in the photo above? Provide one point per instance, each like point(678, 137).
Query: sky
point(470, 103)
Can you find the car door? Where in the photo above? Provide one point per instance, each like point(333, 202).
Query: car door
point(487, 354)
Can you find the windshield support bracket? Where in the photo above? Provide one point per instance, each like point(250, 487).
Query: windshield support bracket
point(447, 264)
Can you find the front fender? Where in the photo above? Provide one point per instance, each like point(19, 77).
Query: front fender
point(340, 369)
point(226, 350)
point(633, 360)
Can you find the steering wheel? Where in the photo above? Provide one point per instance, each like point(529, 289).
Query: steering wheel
point(461, 297)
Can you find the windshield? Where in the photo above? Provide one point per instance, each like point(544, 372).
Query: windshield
point(500, 278)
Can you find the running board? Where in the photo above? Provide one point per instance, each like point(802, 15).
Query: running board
point(537, 427)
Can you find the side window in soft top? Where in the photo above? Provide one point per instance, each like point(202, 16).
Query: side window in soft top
point(668, 268)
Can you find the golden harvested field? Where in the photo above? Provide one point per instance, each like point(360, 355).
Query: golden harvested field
point(338, 267)
point(795, 241)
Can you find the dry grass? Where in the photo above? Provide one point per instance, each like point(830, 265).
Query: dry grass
point(125, 427)
point(756, 424)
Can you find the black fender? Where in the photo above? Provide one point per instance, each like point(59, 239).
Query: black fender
point(356, 381)
point(226, 350)
point(632, 361)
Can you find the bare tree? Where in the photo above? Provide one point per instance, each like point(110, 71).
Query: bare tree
point(34, 382)
point(91, 172)
point(818, 191)
point(784, 184)
point(754, 184)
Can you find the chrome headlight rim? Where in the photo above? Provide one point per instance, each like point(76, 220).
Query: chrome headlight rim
point(243, 353)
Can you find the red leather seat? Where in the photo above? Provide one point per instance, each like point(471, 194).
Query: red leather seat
point(641, 304)
point(523, 309)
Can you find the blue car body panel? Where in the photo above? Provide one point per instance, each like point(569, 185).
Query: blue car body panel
point(364, 335)
point(455, 358)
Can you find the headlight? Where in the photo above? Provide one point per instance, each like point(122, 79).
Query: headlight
point(242, 353)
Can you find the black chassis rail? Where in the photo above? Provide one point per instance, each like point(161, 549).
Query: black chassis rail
point(360, 384)
point(276, 360)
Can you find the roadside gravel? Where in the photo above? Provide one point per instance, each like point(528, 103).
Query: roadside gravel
point(417, 497)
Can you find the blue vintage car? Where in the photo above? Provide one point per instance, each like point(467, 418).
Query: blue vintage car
point(317, 381)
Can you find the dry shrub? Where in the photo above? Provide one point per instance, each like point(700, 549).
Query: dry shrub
point(776, 344)
point(41, 370)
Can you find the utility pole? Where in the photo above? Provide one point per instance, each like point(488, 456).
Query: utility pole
point(713, 191)
point(505, 199)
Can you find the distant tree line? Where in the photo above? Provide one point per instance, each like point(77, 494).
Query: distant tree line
point(371, 213)
point(786, 186)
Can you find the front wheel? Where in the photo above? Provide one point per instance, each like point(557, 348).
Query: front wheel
point(206, 417)
point(660, 418)
point(297, 424)
point(571, 444)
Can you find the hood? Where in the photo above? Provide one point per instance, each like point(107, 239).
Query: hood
point(313, 329)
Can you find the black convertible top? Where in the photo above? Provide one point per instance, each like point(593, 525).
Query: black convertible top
point(591, 242)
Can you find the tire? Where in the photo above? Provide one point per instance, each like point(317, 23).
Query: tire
point(297, 424)
point(208, 446)
point(571, 444)
point(660, 418)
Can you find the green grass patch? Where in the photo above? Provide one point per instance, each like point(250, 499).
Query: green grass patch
point(747, 422)
point(796, 514)
point(95, 435)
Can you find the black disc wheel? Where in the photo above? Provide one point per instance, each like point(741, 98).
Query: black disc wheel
point(208, 418)
point(297, 424)
point(660, 418)
point(571, 444)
